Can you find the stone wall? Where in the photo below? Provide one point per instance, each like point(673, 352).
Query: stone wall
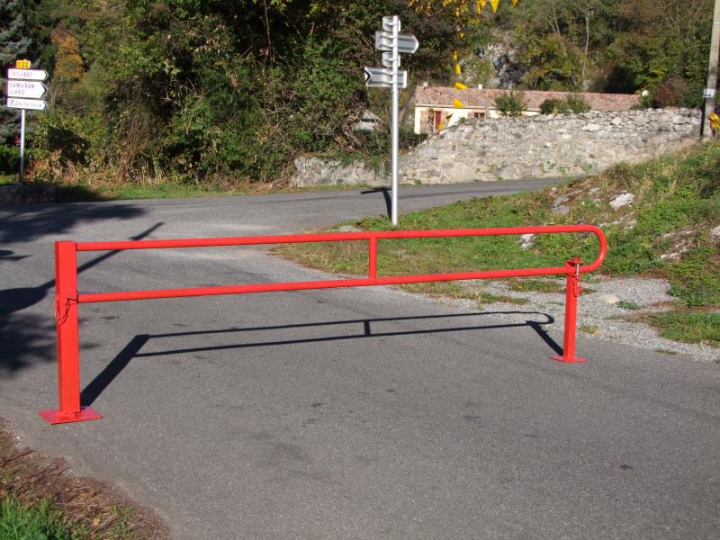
point(507, 148)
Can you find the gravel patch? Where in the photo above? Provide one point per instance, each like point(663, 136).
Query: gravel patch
point(601, 311)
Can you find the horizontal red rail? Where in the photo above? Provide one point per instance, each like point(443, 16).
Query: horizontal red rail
point(371, 280)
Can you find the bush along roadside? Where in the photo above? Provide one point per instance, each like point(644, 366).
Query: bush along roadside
point(661, 217)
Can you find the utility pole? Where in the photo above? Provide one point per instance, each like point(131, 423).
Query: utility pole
point(705, 131)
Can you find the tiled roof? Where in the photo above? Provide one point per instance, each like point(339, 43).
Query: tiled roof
point(475, 98)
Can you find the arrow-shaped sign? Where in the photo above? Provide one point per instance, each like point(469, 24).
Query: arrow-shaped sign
point(27, 74)
point(26, 89)
point(407, 43)
point(32, 104)
point(383, 78)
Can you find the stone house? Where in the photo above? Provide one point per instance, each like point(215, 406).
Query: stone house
point(437, 108)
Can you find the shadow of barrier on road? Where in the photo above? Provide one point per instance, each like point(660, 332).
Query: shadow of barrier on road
point(68, 298)
point(23, 335)
point(134, 347)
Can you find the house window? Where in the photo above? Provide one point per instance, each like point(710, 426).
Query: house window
point(478, 115)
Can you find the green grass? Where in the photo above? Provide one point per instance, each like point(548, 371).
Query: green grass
point(84, 192)
point(536, 285)
point(37, 522)
point(689, 327)
point(489, 298)
point(589, 329)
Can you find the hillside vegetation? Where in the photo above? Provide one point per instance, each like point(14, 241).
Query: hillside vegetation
point(665, 231)
point(219, 92)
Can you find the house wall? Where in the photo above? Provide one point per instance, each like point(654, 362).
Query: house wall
point(422, 126)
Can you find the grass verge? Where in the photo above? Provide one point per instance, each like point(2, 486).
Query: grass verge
point(40, 500)
point(689, 327)
point(37, 522)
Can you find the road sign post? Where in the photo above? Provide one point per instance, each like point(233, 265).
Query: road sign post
point(391, 42)
point(24, 90)
point(395, 128)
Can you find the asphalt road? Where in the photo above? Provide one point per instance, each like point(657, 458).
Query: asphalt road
point(356, 413)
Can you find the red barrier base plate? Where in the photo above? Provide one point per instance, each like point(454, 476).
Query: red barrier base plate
point(576, 360)
point(58, 417)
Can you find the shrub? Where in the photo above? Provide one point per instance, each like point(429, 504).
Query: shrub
point(553, 106)
point(9, 158)
point(670, 93)
point(577, 104)
point(511, 103)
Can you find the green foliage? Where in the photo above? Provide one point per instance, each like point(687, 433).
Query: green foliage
point(573, 103)
point(39, 522)
point(14, 44)
point(9, 159)
point(677, 92)
point(689, 326)
point(207, 91)
point(577, 104)
point(695, 280)
point(654, 45)
point(553, 106)
point(511, 103)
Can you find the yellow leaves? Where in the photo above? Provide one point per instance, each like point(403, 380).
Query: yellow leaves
point(69, 64)
point(458, 104)
point(460, 8)
point(460, 86)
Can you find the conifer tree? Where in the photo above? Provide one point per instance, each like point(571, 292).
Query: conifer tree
point(13, 45)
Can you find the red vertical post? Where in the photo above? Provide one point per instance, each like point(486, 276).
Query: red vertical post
point(68, 345)
point(572, 292)
point(372, 258)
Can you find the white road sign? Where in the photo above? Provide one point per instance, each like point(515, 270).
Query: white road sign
point(407, 43)
point(33, 104)
point(383, 78)
point(26, 89)
point(27, 74)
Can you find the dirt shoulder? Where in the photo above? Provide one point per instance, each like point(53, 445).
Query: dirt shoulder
point(95, 508)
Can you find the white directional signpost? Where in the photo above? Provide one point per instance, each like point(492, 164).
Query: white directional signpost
point(383, 78)
point(392, 43)
point(24, 90)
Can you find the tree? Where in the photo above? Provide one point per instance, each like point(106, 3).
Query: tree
point(13, 46)
point(562, 43)
point(654, 44)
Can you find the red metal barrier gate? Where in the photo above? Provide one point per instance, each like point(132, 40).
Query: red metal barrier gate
point(67, 297)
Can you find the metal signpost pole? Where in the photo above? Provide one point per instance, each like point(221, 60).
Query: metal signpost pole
point(395, 128)
point(22, 145)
